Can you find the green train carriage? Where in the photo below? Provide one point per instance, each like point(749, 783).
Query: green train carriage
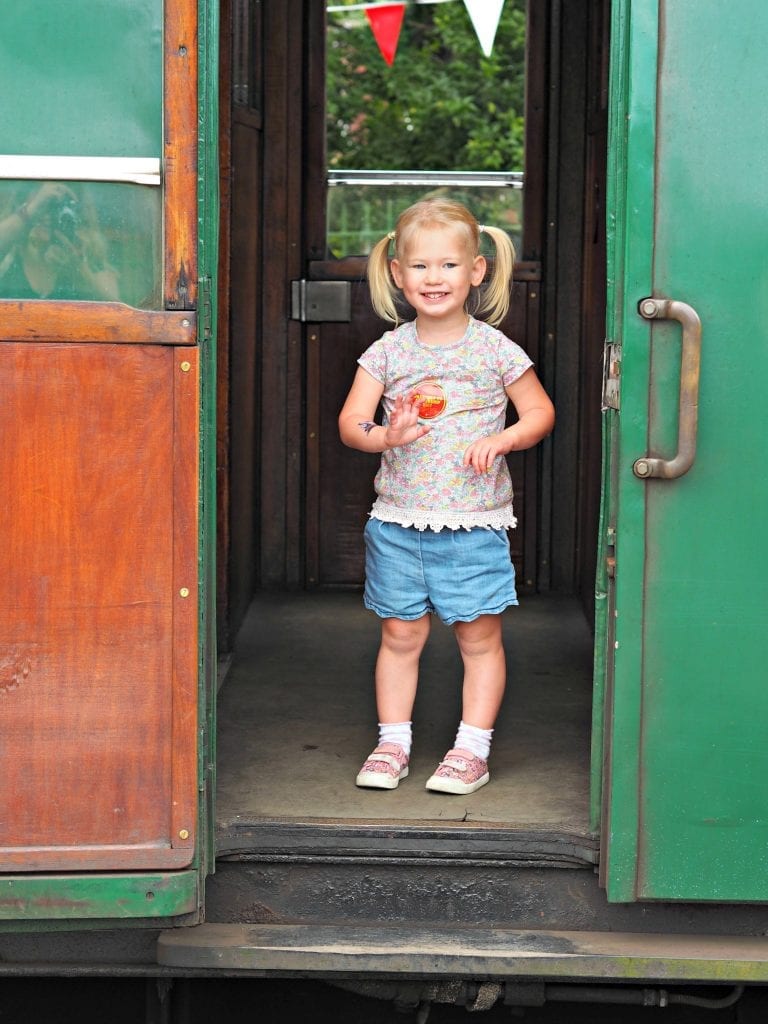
point(182, 522)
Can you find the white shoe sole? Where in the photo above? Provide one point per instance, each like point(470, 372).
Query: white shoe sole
point(438, 784)
point(377, 780)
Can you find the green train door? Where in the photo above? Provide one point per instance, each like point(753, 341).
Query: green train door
point(103, 798)
point(686, 815)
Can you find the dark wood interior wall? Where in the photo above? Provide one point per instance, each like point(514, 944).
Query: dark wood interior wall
point(281, 351)
point(239, 336)
point(573, 331)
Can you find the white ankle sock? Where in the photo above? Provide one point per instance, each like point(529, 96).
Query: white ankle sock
point(396, 732)
point(478, 741)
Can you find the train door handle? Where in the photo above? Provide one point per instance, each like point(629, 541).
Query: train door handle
point(690, 364)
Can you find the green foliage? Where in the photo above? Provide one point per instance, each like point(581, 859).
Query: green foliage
point(442, 105)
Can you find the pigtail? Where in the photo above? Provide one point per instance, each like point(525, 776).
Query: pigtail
point(495, 301)
point(380, 281)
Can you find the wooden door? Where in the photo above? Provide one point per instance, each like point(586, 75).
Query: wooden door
point(687, 816)
point(338, 490)
point(99, 468)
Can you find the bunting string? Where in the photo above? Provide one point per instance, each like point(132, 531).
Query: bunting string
point(386, 20)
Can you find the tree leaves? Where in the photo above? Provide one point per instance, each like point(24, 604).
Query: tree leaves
point(442, 105)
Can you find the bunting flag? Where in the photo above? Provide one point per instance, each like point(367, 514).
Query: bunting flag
point(386, 20)
point(485, 16)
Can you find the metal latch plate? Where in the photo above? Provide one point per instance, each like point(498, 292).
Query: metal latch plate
point(611, 375)
point(318, 302)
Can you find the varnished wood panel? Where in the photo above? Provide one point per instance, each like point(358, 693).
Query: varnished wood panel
point(111, 322)
point(98, 637)
point(180, 154)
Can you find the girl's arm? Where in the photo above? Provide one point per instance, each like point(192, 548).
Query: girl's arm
point(536, 418)
point(356, 425)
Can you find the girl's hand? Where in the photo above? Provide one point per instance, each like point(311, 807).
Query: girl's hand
point(481, 453)
point(404, 427)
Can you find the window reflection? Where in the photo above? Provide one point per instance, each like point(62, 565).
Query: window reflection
point(72, 240)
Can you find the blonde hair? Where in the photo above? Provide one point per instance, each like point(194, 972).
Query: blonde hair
point(442, 213)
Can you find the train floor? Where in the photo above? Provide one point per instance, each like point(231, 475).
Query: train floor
point(296, 718)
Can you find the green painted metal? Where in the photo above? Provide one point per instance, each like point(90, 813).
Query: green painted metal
point(85, 77)
point(688, 819)
point(46, 898)
point(208, 251)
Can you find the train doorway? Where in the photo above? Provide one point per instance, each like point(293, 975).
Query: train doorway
point(296, 711)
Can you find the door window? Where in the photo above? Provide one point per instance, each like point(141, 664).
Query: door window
point(442, 118)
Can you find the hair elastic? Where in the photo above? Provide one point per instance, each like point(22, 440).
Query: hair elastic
point(391, 235)
point(481, 228)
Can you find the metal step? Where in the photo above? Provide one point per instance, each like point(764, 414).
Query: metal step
point(397, 950)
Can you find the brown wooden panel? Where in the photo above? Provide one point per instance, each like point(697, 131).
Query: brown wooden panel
point(113, 322)
point(98, 638)
point(180, 154)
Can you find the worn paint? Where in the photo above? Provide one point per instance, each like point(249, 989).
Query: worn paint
point(64, 897)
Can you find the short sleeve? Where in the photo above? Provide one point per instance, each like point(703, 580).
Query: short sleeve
point(374, 361)
point(513, 361)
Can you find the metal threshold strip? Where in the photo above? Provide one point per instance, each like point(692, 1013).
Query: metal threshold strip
point(127, 169)
point(397, 949)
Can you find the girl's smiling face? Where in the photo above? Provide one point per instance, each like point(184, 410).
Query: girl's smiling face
point(436, 273)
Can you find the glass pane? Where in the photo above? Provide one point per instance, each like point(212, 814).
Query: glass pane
point(362, 213)
point(85, 77)
point(72, 240)
point(439, 105)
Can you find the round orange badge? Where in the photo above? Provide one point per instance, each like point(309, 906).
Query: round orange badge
point(430, 400)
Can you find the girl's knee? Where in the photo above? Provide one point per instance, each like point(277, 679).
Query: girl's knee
point(480, 636)
point(405, 635)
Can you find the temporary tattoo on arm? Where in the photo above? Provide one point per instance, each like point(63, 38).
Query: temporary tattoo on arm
point(367, 426)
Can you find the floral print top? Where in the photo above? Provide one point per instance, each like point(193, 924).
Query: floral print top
point(461, 397)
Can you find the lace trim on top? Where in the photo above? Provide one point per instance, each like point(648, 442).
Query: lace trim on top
point(444, 519)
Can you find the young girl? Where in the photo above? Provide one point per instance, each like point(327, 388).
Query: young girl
point(436, 539)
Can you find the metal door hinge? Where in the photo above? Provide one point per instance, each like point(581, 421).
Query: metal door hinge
point(205, 306)
point(611, 374)
point(318, 302)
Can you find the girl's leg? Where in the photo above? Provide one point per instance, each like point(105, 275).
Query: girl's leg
point(485, 669)
point(397, 667)
point(465, 768)
point(397, 674)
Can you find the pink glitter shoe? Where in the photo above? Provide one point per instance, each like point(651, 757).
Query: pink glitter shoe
point(384, 768)
point(459, 772)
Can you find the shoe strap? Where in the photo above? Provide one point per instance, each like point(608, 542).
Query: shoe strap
point(389, 759)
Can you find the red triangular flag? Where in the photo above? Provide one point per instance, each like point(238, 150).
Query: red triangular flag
point(386, 20)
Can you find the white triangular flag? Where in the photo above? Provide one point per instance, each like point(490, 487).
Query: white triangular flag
point(485, 15)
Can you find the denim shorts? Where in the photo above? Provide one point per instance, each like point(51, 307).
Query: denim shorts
point(458, 574)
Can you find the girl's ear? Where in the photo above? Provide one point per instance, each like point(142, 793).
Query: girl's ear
point(397, 276)
point(478, 270)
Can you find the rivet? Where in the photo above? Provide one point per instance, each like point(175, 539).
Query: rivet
point(186, 323)
point(182, 51)
point(183, 833)
point(186, 367)
point(184, 592)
